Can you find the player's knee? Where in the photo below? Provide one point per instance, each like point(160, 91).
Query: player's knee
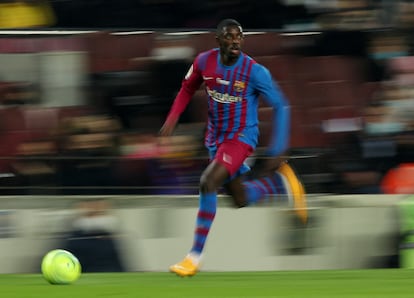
point(207, 184)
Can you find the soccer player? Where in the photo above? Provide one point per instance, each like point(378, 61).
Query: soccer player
point(233, 82)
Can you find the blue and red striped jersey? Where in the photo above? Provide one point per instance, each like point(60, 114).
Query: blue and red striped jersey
point(233, 100)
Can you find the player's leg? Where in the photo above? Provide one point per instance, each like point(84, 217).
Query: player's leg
point(282, 184)
point(237, 191)
point(212, 178)
point(251, 192)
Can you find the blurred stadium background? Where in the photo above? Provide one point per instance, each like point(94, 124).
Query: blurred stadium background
point(86, 85)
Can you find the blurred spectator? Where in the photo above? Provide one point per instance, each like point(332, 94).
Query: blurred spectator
point(399, 180)
point(132, 169)
point(380, 120)
point(404, 14)
point(34, 166)
point(165, 165)
point(18, 93)
point(177, 169)
point(93, 237)
point(89, 146)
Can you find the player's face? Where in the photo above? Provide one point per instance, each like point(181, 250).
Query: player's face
point(230, 41)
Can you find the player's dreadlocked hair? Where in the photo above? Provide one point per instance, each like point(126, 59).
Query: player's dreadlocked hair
point(225, 23)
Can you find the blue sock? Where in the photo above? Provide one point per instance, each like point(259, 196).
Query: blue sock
point(206, 213)
point(258, 189)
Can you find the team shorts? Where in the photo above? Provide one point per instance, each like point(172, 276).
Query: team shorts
point(232, 155)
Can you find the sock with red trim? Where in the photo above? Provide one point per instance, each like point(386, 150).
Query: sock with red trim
point(258, 190)
point(205, 216)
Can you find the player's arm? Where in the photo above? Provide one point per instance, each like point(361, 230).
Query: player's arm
point(191, 82)
point(281, 111)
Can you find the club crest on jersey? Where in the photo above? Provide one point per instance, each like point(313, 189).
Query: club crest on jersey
point(239, 86)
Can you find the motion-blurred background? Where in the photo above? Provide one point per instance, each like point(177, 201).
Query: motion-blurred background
point(86, 85)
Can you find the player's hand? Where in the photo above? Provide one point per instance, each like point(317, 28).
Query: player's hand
point(168, 128)
point(266, 166)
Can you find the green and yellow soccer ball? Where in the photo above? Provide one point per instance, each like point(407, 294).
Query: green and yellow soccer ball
point(60, 267)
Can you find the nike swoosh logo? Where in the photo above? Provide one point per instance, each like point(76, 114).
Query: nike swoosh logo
point(207, 78)
point(179, 267)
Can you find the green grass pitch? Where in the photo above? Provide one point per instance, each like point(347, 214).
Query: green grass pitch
point(384, 283)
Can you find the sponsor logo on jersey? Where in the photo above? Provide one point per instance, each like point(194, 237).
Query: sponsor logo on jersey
point(223, 97)
point(239, 86)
